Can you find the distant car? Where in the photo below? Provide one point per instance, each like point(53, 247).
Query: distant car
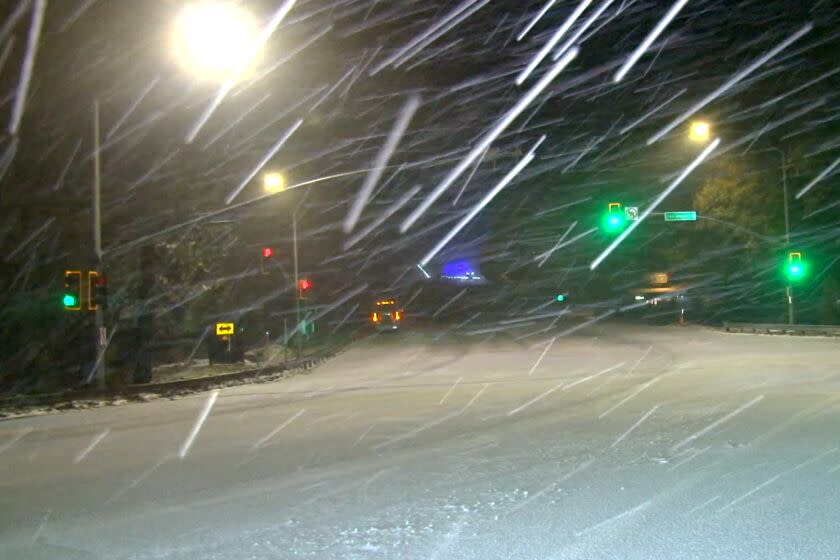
point(386, 316)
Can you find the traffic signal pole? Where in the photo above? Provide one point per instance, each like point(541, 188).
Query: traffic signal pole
point(297, 284)
point(788, 288)
point(100, 337)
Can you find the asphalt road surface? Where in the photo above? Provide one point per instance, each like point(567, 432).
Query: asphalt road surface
point(616, 442)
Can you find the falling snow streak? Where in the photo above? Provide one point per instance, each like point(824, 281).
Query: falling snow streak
point(32, 41)
point(593, 376)
point(534, 400)
point(629, 397)
point(655, 204)
point(274, 149)
point(15, 438)
point(647, 115)
point(582, 29)
point(428, 40)
point(544, 352)
point(452, 300)
point(488, 139)
point(544, 257)
point(479, 207)
point(773, 479)
point(729, 83)
point(551, 43)
point(634, 426)
point(613, 519)
point(13, 18)
point(97, 439)
point(381, 161)
point(648, 41)
point(199, 422)
point(4, 55)
point(446, 396)
point(433, 423)
point(823, 174)
point(718, 422)
point(535, 19)
point(401, 53)
point(268, 437)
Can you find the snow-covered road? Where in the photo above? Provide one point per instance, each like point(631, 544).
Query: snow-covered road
point(616, 442)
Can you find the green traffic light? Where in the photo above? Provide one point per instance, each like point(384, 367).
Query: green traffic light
point(560, 297)
point(613, 222)
point(70, 300)
point(795, 271)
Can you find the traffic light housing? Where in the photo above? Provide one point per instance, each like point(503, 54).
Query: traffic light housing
point(97, 291)
point(266, 255)
point(796, 269)
point(304, 285)
point(72, 296)
point(614, 221)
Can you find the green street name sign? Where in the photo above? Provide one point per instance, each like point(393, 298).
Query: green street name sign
point(680, 216)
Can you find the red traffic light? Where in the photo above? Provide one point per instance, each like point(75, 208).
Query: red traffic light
point(267, 252)
point(304, 284)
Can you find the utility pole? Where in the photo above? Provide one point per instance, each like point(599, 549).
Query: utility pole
point(100, 334)
point(297, 284)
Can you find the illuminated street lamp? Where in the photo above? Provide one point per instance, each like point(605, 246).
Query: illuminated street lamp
point(274, 183)
point(700, 132)
point(213, 38)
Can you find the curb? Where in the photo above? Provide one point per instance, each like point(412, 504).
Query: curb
point(16, 407)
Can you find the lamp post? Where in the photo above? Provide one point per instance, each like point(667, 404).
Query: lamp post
point(275, 182)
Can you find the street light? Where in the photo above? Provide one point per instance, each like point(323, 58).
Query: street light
point(274, 183)
point(700, 132)
point(212, 38)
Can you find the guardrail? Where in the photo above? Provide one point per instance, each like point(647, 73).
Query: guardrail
point(775, 328)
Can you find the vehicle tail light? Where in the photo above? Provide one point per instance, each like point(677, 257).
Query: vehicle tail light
point(397, 316)
point(375, 317)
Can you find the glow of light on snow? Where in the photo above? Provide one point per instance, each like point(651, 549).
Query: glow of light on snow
point(730, 82)
point(199, 422)
point(648, 41)
point(236, 73)
point(633, 225)
point(488, 138)
point(380, 162)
